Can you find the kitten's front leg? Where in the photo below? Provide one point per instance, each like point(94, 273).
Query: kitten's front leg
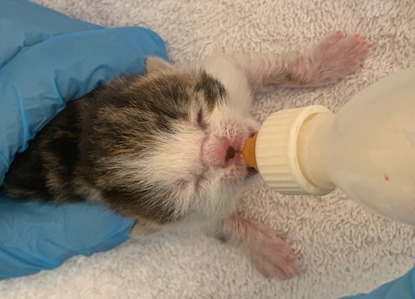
point(270, 255)
point(334, 57)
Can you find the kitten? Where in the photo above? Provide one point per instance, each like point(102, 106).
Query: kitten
point(164, 146)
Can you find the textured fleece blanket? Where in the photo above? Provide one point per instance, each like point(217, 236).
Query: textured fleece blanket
point(342, 248)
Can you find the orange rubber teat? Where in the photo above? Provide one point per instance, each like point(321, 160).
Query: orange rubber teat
point(248, 152)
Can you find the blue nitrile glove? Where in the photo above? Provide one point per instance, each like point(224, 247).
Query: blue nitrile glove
point(35, 236)
point(400, 288)
point(47, 59)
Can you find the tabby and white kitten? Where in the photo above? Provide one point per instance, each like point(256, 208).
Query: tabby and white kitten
point(165, 146)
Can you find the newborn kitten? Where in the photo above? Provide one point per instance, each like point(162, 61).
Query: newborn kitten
point(165, 146)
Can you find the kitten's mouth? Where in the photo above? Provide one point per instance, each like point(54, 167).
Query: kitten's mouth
point(222, 152)
point(251, 171)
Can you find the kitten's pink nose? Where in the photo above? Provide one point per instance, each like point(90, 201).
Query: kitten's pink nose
point(216, 152)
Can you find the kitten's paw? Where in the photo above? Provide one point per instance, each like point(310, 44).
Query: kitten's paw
point(272, 256)
point(338, 55)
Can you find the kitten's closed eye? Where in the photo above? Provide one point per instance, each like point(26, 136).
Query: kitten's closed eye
point(201, 120)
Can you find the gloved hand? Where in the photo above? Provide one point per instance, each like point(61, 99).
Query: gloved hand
point(400, 288)
point(46, 60)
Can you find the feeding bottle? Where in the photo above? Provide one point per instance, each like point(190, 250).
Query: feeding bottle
point(367, 149)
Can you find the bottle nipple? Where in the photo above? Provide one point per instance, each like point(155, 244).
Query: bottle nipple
point(248, 152)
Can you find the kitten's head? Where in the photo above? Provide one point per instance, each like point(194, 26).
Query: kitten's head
point(174, 142)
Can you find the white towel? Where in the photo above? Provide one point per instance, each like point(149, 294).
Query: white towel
point(342, 248)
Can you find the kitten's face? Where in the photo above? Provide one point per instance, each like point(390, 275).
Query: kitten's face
point(187, 141)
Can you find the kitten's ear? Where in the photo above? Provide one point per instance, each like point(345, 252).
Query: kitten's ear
point(153, 64)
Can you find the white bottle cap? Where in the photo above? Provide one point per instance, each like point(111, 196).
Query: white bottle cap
point(277, 148)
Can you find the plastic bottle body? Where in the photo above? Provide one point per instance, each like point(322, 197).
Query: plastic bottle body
point(367, 149)
point(370, 150)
